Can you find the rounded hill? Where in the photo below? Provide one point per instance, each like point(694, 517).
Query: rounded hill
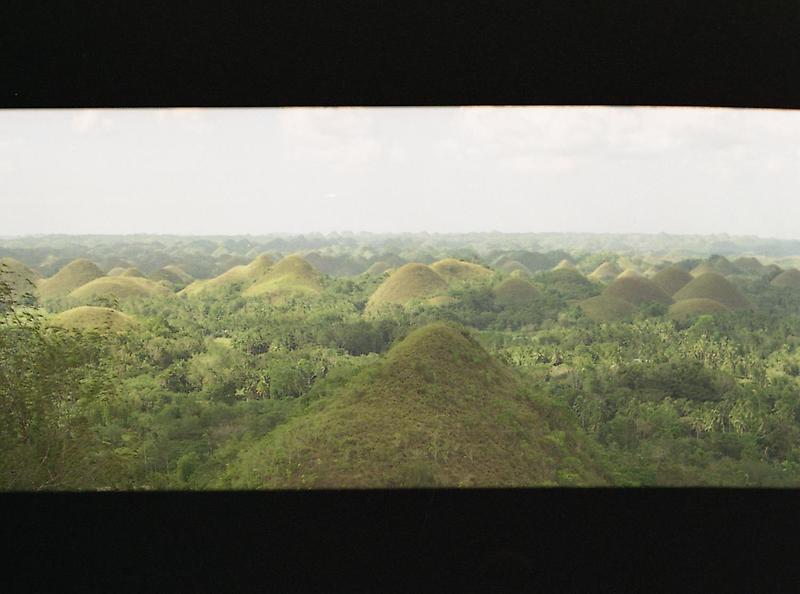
point(718, 264)
point(606, 308)
point(21, 279)
point(565, 265)
point(122, 287)
point(88, 317)
point(130, 272)
point(407, 283)
point(437, 411)
point(244, 274)
point(291, 276)
point(75, 274)
point(715, 287)
point(689, 309)
point(172, 274)
point(749, 265)
point(789, 279)
point(515, 292)
point(637, 290)
point(378, 268)
point(606, 272)
point(515, 267)
point(672, 279)
point(453, 270)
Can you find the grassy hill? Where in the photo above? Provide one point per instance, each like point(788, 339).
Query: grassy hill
point(637, 290)
point(630, 273)
point(122, 287)
point(749, 265)
point(689, 309)
point(515, 291)
point(130, 272)
point(292, 275)
point(789, 279)
point(378, 268)
point(565, 265)
point(515, 267)
point(75, 274)
point(93, 318)
point(172, 274)
point(606, 272)
point(453, 270)
point(715, 287)
point(719, 264)
point(606, 308)
point(437, 411)
point(672, 279)
point(19, 277)
point(407, 283)
point(244, 274)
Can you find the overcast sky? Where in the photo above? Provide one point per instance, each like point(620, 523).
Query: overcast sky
point(230, 171)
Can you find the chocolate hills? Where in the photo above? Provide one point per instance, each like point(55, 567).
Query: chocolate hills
point(122, 287)
point(293, 275)
point(514, 267)
point(172, 274)
point(716, 287)
point(378, 268)
point(243, 274)
point(438, 411)
point(637, 290)
point(88, 317)
point(20, 278)
point(75, 274)
point(515, 292)
point(452, 270)
point(409, 282)
point(606, 308)
point(789, 279)
point(606, 272)
point(689, 309)
point(131, 272)
point(672, 279)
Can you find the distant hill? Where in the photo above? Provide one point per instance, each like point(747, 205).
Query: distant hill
point(453, 270)
point(689, 309)
point(789, 279)
point(409, 282)
point(21, 279)
point(131, 271)
point(606, 272)
point(172, 274)
point(637, 290)
point(93, 318)
point(438, 411)
point(123, 287)
point(70, 277)
point(715, 287)
point(243, 274)
point(606, 308)
point(515, 292)
point(292, 275)
point(672, 279)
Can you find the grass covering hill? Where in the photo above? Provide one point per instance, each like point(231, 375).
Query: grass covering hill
point(606, 272)
point(688, 309)
point(172, 274)
point(453, 270)
point(292, 275)
point(672, 279)
point(21, 279)
point(437, 411)
point(75, 274)
point(749, 265)
point(719, 264)
point(515, 292)
point(606, 308)
point(637, 290)
point(122, 287)
point(715, 287)
point(789, 279)
point(409, 282)
point(630, 273)
point(244, 274)
point(378, 268)
point(88, 317)
point(130, 272)
point(565, 265)
point(514, 267)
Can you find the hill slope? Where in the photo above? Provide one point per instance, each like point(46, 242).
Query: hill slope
point(123, 287)
point(87, 317)
point(789, 279)
point(407, 283)
point(672, 279)
point(715, 287)
point(606, 272)
point(515, 291)
point(453, 270)
point(246, 274)
point(606, 308)
point(688, 309)
point(70, 277)
point(19, 277)
point(637, 290)
point(292, 275)
point(438, 411)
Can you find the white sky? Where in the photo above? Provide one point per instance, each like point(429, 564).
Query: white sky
point(298, 170)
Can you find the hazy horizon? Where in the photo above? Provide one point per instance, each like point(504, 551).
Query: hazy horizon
point(599, 170)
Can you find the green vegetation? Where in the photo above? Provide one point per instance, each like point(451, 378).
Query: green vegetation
point(336, 378)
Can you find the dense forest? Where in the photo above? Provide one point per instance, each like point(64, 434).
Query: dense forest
point(157, 362)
